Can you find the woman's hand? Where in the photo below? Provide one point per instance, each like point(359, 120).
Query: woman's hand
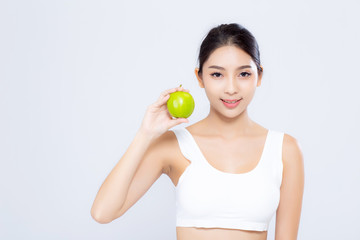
point(157, 119)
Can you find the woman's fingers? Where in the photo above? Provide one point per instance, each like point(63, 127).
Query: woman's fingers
point(177, 121)
point(164, 96)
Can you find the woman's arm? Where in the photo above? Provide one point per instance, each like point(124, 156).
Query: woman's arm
point(291, 191)
point(113, 192)
point(140, 166)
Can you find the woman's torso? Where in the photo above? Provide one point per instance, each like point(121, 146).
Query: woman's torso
point(250, 149)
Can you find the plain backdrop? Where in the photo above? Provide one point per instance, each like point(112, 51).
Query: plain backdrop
point(77, 76)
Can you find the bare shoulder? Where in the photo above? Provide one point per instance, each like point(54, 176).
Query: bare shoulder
point(164, 147)
point(292, 152)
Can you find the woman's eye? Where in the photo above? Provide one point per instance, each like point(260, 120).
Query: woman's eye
point(245, 74)
point(216, 74)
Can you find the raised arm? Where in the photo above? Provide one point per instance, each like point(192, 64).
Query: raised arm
point(291, 191)
point(140, 166)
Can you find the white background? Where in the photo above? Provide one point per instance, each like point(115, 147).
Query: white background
point(76, 78)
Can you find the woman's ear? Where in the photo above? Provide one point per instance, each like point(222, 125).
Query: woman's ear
point(260, 77)
point(199, 78)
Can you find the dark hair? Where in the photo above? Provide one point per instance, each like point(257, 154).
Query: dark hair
point(228, 35)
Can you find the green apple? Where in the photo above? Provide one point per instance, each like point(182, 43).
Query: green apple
point(180, 104)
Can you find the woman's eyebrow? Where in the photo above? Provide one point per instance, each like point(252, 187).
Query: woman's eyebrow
point(221, 68)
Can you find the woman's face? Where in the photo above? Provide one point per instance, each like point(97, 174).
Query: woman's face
point(230, 74)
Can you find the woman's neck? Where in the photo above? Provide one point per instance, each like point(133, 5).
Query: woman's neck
point(229, 128)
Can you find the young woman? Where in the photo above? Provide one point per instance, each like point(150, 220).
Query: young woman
point(231, 174)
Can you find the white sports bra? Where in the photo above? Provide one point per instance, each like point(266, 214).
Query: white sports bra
point(209, 198)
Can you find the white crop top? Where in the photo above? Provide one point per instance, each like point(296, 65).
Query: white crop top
point(209, 198)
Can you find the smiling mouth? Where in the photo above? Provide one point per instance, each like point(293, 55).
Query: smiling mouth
point(230, 100)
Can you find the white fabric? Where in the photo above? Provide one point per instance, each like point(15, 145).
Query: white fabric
point(209, 198)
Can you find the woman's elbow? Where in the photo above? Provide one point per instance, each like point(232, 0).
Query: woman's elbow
point(97, 216)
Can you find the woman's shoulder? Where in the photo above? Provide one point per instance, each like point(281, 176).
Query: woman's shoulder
point(292, 152)
point(290, 143)
point(164, 145)
point(193, 129)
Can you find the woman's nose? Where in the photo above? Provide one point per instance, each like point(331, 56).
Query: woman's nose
point(231, 87)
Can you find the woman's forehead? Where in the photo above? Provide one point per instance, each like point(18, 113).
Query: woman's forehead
point(229, 56)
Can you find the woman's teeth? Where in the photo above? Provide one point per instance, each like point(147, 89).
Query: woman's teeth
point(230, 101)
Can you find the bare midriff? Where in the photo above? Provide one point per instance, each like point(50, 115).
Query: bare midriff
point(192, 233)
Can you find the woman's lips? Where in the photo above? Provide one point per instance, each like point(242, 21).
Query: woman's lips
point(230, 100)
point(229, 103)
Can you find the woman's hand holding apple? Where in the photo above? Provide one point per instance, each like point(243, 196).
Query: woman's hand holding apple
point(157, 119)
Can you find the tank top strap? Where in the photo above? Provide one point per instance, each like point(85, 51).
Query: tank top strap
point(187, 144)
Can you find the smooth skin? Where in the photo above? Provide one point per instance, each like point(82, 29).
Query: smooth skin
point(155, 150)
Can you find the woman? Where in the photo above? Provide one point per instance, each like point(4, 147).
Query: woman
point(231, 174)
